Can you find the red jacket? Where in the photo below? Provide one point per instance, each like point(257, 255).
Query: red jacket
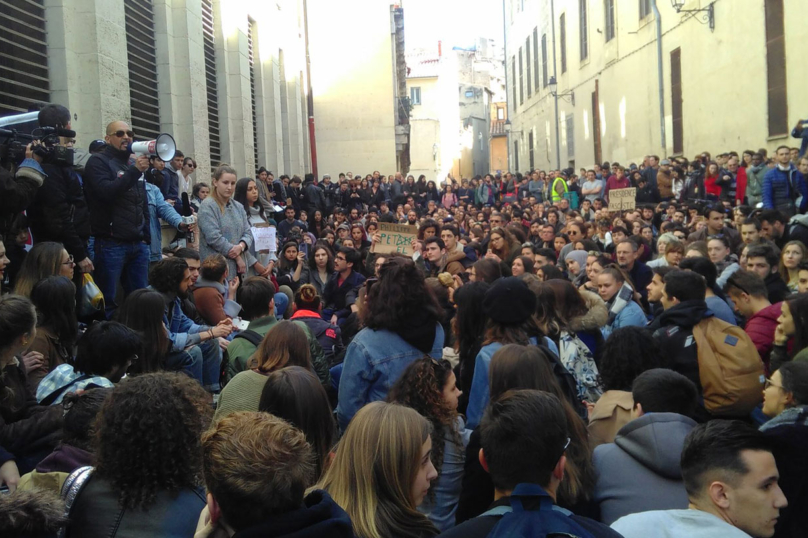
point(740, 185)
point(711, 186)
point(760, 329)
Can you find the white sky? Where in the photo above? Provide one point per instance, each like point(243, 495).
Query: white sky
point(455, 22)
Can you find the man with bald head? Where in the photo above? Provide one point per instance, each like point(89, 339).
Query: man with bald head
point(119, 215)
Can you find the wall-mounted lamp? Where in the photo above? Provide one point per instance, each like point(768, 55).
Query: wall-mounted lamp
point(708, 17)
point(567, 96)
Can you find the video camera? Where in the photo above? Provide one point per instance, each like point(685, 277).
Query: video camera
point(14, 141)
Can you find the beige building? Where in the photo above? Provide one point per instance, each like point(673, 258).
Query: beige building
point(432, 84)
point(731, 78)
point(498, 138)
point(358, 76)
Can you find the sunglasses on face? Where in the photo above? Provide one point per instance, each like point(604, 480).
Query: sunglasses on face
point(120, 134)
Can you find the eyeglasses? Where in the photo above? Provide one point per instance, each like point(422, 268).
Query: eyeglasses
point(120, 134)
point(342, 259)
point(69, 261)
point(768, 383)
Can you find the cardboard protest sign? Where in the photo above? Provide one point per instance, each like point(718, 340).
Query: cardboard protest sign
point(622, 199)
point(396, 238)
point(265, 238)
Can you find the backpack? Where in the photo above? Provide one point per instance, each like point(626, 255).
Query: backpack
point(548, 521)
point(730, 368)
point(252, 337)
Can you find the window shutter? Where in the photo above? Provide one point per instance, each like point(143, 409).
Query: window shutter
point(23, 56)
point(208, 36)
point(142, 57)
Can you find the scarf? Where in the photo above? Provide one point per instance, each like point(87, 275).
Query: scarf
point(789, 417)
point(620, 300)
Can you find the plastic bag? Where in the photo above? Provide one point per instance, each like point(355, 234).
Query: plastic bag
point(92, 300)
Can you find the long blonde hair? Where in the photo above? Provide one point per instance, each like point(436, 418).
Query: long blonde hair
point(374, 469)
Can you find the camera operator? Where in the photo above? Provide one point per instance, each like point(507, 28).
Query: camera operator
point(18, 187)
point(119, 215)
point(59, 211)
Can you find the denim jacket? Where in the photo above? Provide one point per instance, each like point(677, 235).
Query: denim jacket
point(479, 393)
point(182, 331)
point(373, 363)
point(158, 207)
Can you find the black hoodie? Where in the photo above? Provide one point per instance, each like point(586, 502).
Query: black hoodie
point(674, 332)
point(319, 517)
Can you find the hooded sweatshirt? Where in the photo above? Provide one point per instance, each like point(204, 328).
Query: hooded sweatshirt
point(676, 524)
point(647, 449)
point(760, 327)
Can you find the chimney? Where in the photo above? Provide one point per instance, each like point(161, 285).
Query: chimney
point(439, 50)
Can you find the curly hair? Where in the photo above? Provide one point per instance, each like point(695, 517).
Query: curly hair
point(166, 275)
point(421, 387)
point(148, 437)
point(628, 352)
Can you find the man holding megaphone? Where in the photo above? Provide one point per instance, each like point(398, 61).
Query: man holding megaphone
point(119, 214)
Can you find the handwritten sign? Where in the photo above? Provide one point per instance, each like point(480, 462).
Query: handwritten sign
point(265, 239)
point(622, 199)
point(396, 238)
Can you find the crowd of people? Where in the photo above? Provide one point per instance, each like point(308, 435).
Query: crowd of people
point(537, 365)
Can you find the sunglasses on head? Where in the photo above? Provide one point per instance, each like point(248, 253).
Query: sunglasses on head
point(120, 134)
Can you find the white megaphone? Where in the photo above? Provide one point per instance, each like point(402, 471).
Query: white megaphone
point(163, 146)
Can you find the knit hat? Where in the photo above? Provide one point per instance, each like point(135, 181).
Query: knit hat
point(509, 301)
point(577, 255)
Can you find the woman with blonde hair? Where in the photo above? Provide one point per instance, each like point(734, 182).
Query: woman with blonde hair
point(382, 471)
point(793, 254)
point(45, 259)
point(286, 344)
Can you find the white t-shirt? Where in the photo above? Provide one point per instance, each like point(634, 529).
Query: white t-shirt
point(676, 524)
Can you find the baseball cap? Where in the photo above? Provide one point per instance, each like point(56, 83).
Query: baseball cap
point(97, 145)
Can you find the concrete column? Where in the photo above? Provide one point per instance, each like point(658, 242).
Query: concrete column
point(295, 112)
point(88, 67)
point(181, 76)
point(271, 101)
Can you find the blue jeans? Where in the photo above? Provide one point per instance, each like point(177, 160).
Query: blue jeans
point(120, 261)
point(202, 362)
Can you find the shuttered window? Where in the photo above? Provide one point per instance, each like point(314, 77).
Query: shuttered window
point(250, 30)
point(515, 81)
point(23, 56)
point(776, 68)
point(676, 101)
point(521, 81)
point(208, 37)
point(562, 40)
point(544, 60)
point(570, 136)
point(142, 58)
point(530, 148)
point(608, 10)
point(527, 67)
point(536, 59)
point(583, 29)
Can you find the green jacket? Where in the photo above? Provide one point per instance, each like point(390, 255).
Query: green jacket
point(240, 350)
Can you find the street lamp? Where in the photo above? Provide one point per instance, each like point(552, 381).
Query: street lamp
point(568, 96)
point(709, 12)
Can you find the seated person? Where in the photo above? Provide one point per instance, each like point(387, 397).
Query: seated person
point(257, 468)
point(647, 449)
point(732, 487)
point(105, 352)
point(214, 295)
point(526, 464)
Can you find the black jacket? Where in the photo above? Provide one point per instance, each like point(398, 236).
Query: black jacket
point(674, 332)
point(59, 212)
point(17, 191)
point(776, 287)
point(313, 198)
point(340, 298)
point(319, 517)
point(331, 194)
point(117, 199)
point(25, 427)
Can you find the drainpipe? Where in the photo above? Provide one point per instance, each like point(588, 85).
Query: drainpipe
point(659, 77)
point(507, 91)
point(309, 96)
point(555, 76)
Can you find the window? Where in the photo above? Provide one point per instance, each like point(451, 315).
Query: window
point(536, 58)
point(24, 49)
point(583, 29)
point(500, 113)
point(676, 101)
point(562, 38)
point(530, 148)
point(415, 96)
point(252, 50)
point(521, 81)
point(570, 136)
point(645, 8)
point(516, 154)
point(544, 60)
point(608, 9)
point(776, 69)
point(513, 78)
point(527, 66)
point(210, 81)
point(142, 59)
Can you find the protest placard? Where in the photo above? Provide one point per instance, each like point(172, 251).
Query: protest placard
point(395, 238)
point(265, 238)
point(622, 199)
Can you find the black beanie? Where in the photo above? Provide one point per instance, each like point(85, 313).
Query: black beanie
point(509, 301)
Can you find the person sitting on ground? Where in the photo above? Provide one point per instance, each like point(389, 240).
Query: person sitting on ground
point(257, 468)
point(616, 289)
point(430, 387)
point(751, 299)
point(785, 402)
point(105, 352)
point(214, 295)
point(401, 320)
point(307, 310)
point(732, 487)
point(627, 353)
point(763, 260)
point(526, 464)
point(342, 287)
point(76, 448)
point(713, 294)
point(382, 471)
point(647, 449)
point(792, 323)
point(285, 344)
point(148, 462)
